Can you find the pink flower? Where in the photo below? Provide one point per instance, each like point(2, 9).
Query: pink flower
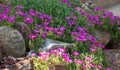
point(19, 7)
point(43, 54)
point(78, 61)
point(28, 20)
point(11, 19)
point(108, 69)
point(67, 59)
point(32, 36)
point(32, 54)
point(92, 49)
point(99, 66)
point(85, 67)
point(36, 31)
point(75, 53)
point(32, 12)
point(89, 58)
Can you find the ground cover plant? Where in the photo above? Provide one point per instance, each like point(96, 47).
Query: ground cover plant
point(59, 20)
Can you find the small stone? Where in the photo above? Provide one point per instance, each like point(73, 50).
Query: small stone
point(24, 29)
point(102, 37)
point(49, 44)
point(12, 42)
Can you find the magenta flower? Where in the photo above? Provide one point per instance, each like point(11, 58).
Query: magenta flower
point(36, 31)
point(19, 7)
point(4, 16)
point(32, 36)
point(43, 34)
point(85, 67)
point(92, 49)
point(67, 59)
point(67, 17)
point(21, 13)
point(118, 28)
point(75, 53)
point(99, 66)
point(78, 61)
point(61, 49)
point(28, 20)
point(46, 23)
point(11, 19)
point(108, 69)
point(88, 58)
point(71, 23)
point(62, 28)
point(32, 12)
point(6, 10)
point(92, 65)
point(74, 17)
point(32, 55)
point(43, 54)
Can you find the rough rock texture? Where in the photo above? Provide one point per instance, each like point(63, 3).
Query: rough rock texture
point(114, 45)
point(52, 44)
point(102, 36)
point(0, 55)
point(12, 41)
point(24, 29)
point(22, 65)
point(114, 56)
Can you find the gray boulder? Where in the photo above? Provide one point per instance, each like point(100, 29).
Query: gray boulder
point(49, 44)
point(12, 41)
point(102, 37)
point(24, 29)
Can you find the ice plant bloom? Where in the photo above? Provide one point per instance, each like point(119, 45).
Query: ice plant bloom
point(108, 69)
point(92, 49)
point(36, 31)
point(75, 53)
point(62, 28)
point(32, 36)
point(28, 20)
point(32, 12)
point(11, 19)
point(88, 58)
point(78, 61)
point(19, 7)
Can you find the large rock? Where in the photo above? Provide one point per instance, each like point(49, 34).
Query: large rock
point(53, 44)
point(102, 36)
point(12, 41)
point(24, 29)
point(0, 56)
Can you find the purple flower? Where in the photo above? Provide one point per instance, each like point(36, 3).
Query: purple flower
point(62, 28)
point(92, 49)
point(32, 36)
point(67, 59)
point(36, 31)
point(88, 58)
point(108, 69)
point(46, 23)
point(71, 23)
point(32, 55)
point(80, 28)
point(85, 67)
point(32, 12)
point(19, 7)
point(61, 49)
point(21, 13)
point(59, 33)
point(74, 17)
point(99, 66)
point(78, 61)
point(43, 54)
point(100, 45)
point(82, 38)
point(4, 16)
point(6, 10)
point(73, 33)
point(75, 53)
point(67, 17)
point(28, 20)
point(11, 19)
point(77, 8)
point(44, 34)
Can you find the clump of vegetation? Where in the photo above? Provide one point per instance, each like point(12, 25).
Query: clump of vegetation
point(62, 20)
